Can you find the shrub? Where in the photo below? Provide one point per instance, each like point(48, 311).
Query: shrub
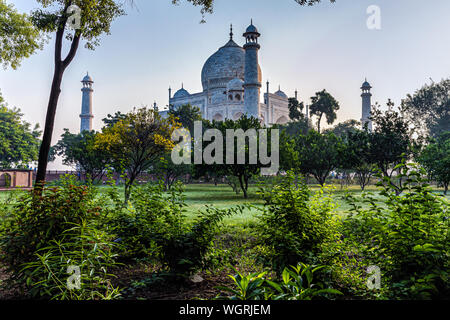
point(85, 249)
point(407, 237)
point(155, 227)
point(142, 226)
point(187, 252)
point(293, 225)
point(33, 222)
point(297, 284)
point(42, 235)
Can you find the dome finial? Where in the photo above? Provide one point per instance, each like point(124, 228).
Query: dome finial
point(231, 31)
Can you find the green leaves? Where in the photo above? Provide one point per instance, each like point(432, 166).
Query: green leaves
point(407, 236)
point(324, 103)
point(297, 283)
point(19, 39)
point(19, 144)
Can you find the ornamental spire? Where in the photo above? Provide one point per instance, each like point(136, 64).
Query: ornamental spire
point(231, 32)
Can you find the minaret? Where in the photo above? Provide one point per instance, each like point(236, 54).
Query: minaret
point(252, 78)
point(86, 104)
point(366, 105)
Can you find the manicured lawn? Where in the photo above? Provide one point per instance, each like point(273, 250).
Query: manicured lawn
point(222, 196)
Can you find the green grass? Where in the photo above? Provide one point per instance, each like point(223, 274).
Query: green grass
point(223, 197)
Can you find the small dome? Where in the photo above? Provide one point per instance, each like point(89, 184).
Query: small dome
point(281, 94)
point(235, 85)
point(87, 78)
point(366, 85)
point(181, 93)
point(251, 29)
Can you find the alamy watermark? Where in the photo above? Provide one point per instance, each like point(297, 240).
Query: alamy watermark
point(214, 152)
point(74, 281)
point(74, 20)
point(374, 19)
point(374, 280)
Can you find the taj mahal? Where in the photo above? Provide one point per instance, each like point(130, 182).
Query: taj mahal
point(232, 82)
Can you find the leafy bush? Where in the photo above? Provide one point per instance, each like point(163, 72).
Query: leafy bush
point(297, 284)
point(33, 222)
point(142, 226)
point(42, 235)
point(293, 225)
point(83, 247)
point(187, 252)
point(155, 227)
point(407, 237)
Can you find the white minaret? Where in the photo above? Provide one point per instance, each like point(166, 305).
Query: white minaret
point(252, 77)
point(86, 104)
point(366, 105)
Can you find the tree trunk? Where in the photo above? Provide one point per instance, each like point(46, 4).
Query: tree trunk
point(318, 122)
point(49, 123)
point(60, 67)
point(445, 188)
point(244, 190)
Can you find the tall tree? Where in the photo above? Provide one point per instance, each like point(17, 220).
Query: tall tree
point(342, 129)
point(78, 150)
point(324, 103)
point(436, 159)
point(95, 18)
point(137, 142)
point(357, 157)
point(317, 154)
point(429, 108)
point(390, 141)
point(19, 39)
point(19, 144)
point(187, 115)
point(296, 109)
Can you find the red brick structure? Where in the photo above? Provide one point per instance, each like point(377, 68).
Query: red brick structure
point(14, 179)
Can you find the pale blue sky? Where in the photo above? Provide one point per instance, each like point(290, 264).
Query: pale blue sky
point(308, 48)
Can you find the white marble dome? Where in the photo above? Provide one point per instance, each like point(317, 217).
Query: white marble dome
point(223, 66)
point(181, 93)
point(281, 94)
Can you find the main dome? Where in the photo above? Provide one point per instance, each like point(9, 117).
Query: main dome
point(223, 66)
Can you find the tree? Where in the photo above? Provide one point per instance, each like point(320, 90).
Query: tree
point(242, 172)
point(296, 109)
point(357, 156)
point(19, 39)
point(428, 109)
point(436, 159)
point(95, 20)
point(294, 128)
point(324, 103)
point(78, 150)
point(342, 129)
point(19, 144)
point(317, 154)
point(187, 115)
point(169, 172)
point(110, 120)
point(136, 142)
point(390, 141)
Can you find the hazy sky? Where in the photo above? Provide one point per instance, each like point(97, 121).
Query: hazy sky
point(158, 45)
